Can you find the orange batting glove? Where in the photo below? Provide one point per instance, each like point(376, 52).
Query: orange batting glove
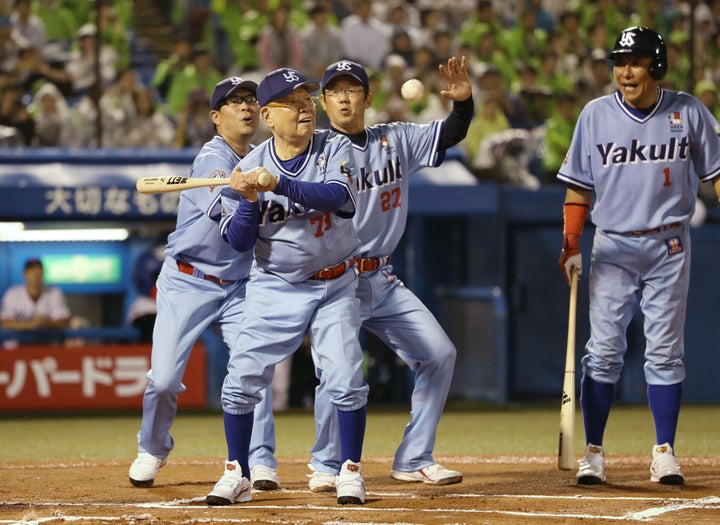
point(574, 214)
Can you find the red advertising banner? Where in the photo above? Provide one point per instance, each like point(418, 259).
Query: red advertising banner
point(37, 377)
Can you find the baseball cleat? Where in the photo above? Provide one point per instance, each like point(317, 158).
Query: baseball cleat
point(591, 469)
point(233, 487)
point(264, 478)
point(321, 481)
point(144, 469)
point(432, 475)
point(350, 484)
point(665, 468)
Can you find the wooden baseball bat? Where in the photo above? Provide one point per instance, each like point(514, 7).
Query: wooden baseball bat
point(566, 446)
point(168, 184)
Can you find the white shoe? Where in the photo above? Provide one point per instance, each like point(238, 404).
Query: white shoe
point(264, 478)
point(432, 475)
point(350, 484)
point(664, 468)
point(232, 487)
point(591, 469)
point(144, 469)
point(321, 481)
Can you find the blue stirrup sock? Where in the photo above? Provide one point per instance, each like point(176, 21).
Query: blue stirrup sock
point(596, 400)
point(238, 431)
point(351, 424)
point(664, 401)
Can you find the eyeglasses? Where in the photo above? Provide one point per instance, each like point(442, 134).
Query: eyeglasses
point(239, 101)
point(353, 92)
point(296, 105)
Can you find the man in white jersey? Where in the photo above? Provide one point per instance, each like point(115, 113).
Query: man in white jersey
point(202, 280)
point(635, 162)
point(303, 279)
point(33, 305)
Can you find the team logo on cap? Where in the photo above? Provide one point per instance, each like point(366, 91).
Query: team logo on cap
point(344, 66)
point(236, 80)
point(291, 76)
point(627, 39)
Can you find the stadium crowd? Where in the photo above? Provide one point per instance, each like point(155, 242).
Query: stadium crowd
point(535, 63)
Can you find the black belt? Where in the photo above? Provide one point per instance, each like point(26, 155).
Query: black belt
point(658, 229)
point(370, 264)
point(333, 272)
point(191, 270)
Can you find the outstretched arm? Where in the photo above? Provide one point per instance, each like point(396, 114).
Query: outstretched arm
point(460, 92)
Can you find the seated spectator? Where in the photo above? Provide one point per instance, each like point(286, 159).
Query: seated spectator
point(194, 128)
point(54, 123)
point(31, 67)
point(559, 129)
point(113, 32)
point(61, 24)
point(401, 44)
point(151, 127)
point(395, 73)
point(86, 114)
point(199, 74)
point(322, 42)
point(171, 66)
point(117, 108)
point(9, 45)
point(81, 63)
point(14, 113)
point(362, 27)
point(27, 25)
point(33, 305)
point(489, 119)
point(280, 44)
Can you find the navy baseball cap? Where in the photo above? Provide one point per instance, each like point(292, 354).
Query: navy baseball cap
point(280, 83)
point(348, 68)
point(225, 87)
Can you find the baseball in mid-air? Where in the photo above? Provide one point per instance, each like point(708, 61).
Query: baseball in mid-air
point(412, 90)
point(264, 178)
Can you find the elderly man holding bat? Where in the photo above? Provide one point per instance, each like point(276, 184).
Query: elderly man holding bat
point(303, 279)
point(202, 281)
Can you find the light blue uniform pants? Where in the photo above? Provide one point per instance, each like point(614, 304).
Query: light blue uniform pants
point(650, 270)
point(398, 318)
point(186, 307)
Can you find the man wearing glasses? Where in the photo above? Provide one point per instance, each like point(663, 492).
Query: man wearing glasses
point(303, 279)
point(202, 281)
point(386, 155)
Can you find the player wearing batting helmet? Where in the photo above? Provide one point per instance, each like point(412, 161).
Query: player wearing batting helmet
point(635, 163)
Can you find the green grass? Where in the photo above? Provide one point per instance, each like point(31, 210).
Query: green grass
point(481, 431)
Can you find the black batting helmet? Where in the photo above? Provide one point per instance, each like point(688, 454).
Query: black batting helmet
point(644, 42)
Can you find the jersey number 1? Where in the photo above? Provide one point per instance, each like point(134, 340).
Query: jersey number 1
point(666, 172)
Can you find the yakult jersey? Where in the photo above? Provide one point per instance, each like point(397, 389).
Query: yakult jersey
point(294, 242)
point(382, 180)
point(642, 183)
point(196, 239)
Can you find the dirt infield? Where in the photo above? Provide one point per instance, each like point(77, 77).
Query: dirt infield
point(496, 491)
